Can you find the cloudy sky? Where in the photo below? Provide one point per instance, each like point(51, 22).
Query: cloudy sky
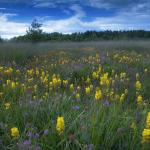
point(69, 16)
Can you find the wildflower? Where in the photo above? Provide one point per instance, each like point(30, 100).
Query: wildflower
point(98, 94)
point(94, 75)
point(91, 86)
point(65, 82)
point(60, 126)
point(145, 70)
point(148, 121)
point(137, 76)
point(104, 79)
point(13, 85)
point(138, 85)
point(7, 106)
point(88, 80)
point(71, 87)
point(122, 97)
point(1, 94)
point(14, 132)
point(46, 132)
point(77, 95)
point(126, 91)
point(145, 135)
point(87, 90)
point(139, 100)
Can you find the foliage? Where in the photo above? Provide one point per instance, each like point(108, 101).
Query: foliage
point(34, 32)
point(76, 99)
point(84, 36)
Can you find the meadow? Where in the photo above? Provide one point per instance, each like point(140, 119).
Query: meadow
point(75, 96)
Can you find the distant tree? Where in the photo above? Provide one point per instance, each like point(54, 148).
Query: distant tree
point(1, 40)
point(34, 32)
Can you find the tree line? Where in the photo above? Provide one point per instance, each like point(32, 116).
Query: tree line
point(35, 34)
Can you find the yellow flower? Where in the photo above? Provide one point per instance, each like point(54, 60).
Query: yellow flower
point(13, 85)
point(137, 76)
point(87, 90)
point(138, 85)
point(126, 91)
point(7, 106)
point(88, 80)
point(139, 99)
point(148, 121)
point(104, 80)
point(1, 94)
point(60, 126)
point(77, 95)
point(145, 70)
point(146, 135)
point(98, 94)
point(71, 87)
point(94, 75)
point(14, 132)
point(65, 82)
point(122, 97)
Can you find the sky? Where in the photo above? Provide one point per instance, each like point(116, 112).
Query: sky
point(68, 16)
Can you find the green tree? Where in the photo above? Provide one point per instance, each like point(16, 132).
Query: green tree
point(1, 40)
point(34, 32)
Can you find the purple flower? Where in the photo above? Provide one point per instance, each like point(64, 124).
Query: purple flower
point(89, 147)
point(29, 134)
point(76, 107)
point(106, 103)
point(46, 132)
point(36, 136)
point(27, 142)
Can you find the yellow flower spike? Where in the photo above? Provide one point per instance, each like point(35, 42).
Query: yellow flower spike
point(13, 85)
point(148, 121)
point(138, 85)
point(94, 75)
point(126, 91)
point(145, 135)
point(65, 82)
point(8, 82)
point(14, 132)
point(122, 97)
point(87, 90)
point(78, 88)
point(98, 94)
point(91, 87)
point(60, 125)
point(1, 94)
point(18, 71)
point(71, 87)
point(1, 68)
point(137, 76)
point(77, 95)
point(139, 100)
point(7, 106)
point(88, 80)
point(145, 70)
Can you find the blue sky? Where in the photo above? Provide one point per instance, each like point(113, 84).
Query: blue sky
point(69, 16)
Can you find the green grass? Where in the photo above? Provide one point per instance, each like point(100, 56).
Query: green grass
point(90, 124)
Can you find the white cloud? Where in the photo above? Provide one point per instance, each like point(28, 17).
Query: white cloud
point(44, 5)
point(9, 29)
point(79, 13)
point(123, 20)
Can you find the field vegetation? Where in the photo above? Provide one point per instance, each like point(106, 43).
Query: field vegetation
point(75, 96)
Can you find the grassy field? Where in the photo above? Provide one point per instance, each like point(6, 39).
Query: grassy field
point(75, 96)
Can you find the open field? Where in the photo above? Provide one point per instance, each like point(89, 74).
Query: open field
point(75, 96)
